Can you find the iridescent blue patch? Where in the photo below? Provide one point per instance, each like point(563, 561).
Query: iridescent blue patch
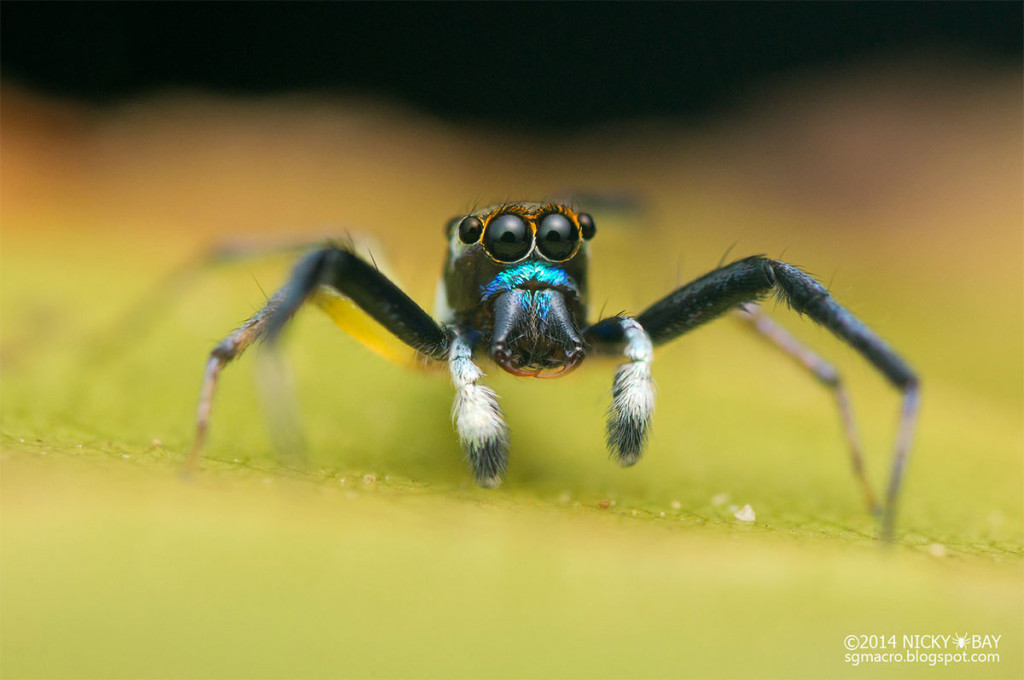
point(514, 277)
point(542, 302)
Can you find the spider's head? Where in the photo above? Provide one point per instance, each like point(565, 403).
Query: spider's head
point(517, 272)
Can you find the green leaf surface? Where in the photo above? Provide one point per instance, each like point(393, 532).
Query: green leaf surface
point(377, 557)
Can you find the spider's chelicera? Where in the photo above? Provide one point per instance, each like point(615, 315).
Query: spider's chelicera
point(514, 290)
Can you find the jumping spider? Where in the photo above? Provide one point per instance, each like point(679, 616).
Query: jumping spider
point(514, 289)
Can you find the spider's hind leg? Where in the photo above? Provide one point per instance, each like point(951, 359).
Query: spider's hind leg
point(346, 278)
point(760, 322)
point(227, 350)
point(748, 280)
point(809, 297)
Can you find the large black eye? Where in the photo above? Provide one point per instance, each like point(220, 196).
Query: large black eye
point(587, 225)
point(469, 229)
point(508, 238)
point(556, 236)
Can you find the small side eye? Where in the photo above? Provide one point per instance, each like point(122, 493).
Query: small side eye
point(557, 236)
point(508, 238)
point(586, 226)
point(451, 225)
point(470, 229)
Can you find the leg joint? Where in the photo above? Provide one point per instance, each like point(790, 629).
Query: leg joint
point(797, 288)
point(226, 350)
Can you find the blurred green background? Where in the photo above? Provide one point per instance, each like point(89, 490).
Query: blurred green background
point(898, 184)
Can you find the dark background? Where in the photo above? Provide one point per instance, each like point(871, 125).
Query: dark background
point(529, 65)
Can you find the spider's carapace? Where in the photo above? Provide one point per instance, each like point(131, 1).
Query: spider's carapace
point(517, 274)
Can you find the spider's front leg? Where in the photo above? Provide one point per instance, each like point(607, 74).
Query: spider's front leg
point(333, 278)
point(748, 280)
point(477, 416)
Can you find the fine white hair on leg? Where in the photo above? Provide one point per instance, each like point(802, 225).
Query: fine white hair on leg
point(629, 417)
point(478, 418)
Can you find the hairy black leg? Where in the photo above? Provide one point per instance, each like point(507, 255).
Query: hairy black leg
point(478, 418)
point(152, 306)
point(370, 290)
point(827, 375)
point(809, 297)
point(629, 417)
point(750, 279)
point(226, 350)
point(348, 275)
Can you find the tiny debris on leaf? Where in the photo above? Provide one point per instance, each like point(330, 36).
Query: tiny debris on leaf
point(676, 505)
point(369, 479)
point(604, 503)
point(937, 550)
point(720, 499)
point(745, 514)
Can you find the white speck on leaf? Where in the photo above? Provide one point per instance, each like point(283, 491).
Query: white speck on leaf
point(746, 514)
point(937, 550)
point(720, 499)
